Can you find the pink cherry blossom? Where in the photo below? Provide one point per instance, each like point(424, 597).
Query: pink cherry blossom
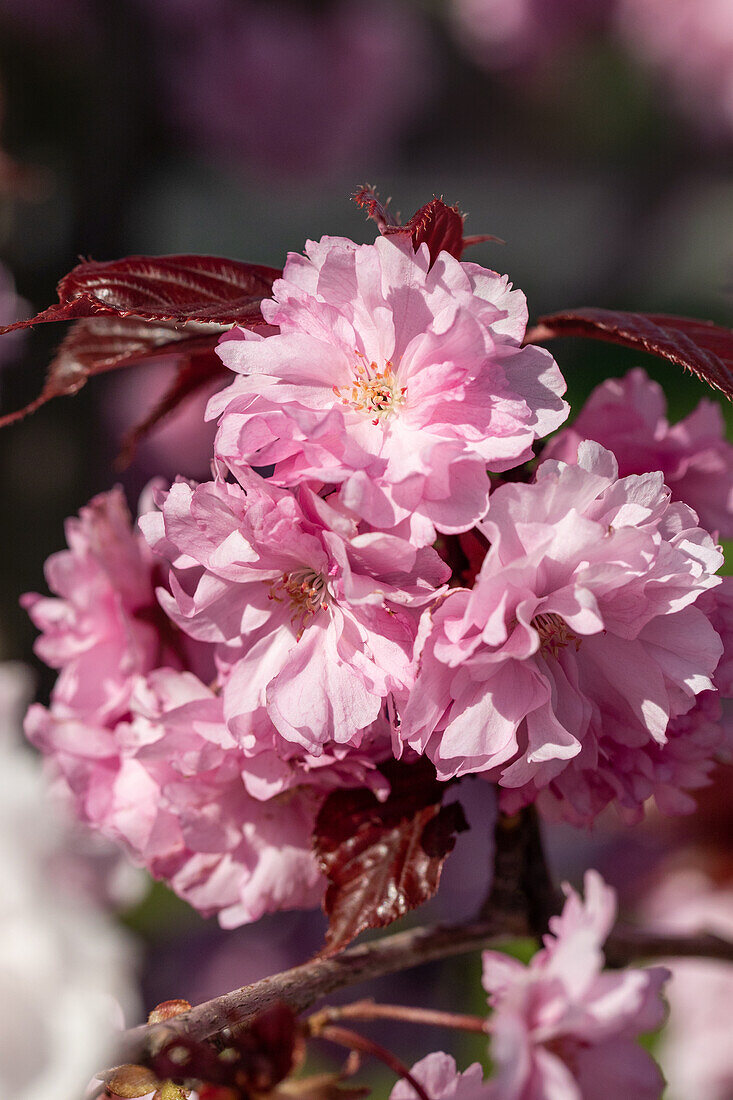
point(582, 623)
point(438, 1075)
point(145, 754)
point(400, 382)
point(173, 786)
point(628, 416)
point(627, 771)
point(561, 1027)
point(99, 630)
point(312, 617)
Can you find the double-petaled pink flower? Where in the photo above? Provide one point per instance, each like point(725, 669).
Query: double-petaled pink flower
point(144, 752)
point(562, 1028)
point(230, 833)
point(312, 617)
point(581, 624)
point(399, 382)
point(629, 417)
point(623, 769)
point(98, 629)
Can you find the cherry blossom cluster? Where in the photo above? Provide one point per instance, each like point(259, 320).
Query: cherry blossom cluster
point(319, 606)
point(561, 1027)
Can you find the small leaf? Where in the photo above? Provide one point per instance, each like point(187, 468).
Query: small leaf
point(95, 345)
point(383, 858)
point(436, 224)
point(702, 347)
point(166, 1010)
point(130, 1081)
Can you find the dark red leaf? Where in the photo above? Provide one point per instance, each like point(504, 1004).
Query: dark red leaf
point(206, 289)
point(436, 224)
point(383, 858)
point(97, 344)
point(141, 307)
point(702, 347)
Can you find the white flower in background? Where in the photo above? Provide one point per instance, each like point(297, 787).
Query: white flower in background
point(64, 967)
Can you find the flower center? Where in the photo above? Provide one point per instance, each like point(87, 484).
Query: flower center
point(307, 593)
point(554, 633)
point(373, 391)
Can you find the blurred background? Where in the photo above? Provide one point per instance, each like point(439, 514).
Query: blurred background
point(594, 137)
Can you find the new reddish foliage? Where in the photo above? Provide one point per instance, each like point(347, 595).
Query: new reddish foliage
point(206, 289)
point(383, 858)
point(135, 308)
point(698, 346)
point(436, 224)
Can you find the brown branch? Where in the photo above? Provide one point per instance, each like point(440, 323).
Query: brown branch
point(520, 901)
point(627, 944)
point(368, 1010)
point(521, 888)
point(301, 986)
point(353, 1041)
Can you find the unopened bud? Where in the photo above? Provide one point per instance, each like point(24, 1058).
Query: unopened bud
point(131, 1081)
point(166, 1010)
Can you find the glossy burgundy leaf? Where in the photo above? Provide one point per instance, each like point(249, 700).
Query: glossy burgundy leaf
point(98, 344)
point(136, 308)
point(383, 858)
point(206, 289)
point(702, 347)
point(436, 224)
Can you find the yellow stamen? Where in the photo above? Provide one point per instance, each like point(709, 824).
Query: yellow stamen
point(374, 392)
